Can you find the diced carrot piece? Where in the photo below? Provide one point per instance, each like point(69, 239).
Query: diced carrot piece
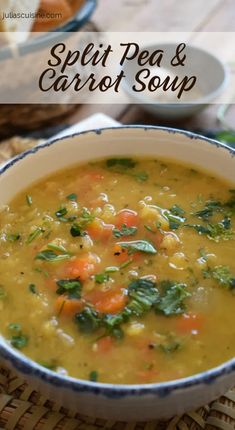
point(98, 230)
point(146, 376)
point(111, 303)
point(108, 302)
point(51, 284)
point(94, 175)
point(189, 322)
point(82, 267)
point(67, 307)
point(128, 218)
point(105, 344)
point(121, 254)
point(156, 238)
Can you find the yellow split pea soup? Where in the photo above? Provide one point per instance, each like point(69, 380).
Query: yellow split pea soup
point(121, 270)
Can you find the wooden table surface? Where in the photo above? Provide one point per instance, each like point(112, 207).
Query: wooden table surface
point(161, 15)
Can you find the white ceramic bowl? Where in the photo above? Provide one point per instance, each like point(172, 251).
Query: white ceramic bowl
point(211, 73)
point(119, 402)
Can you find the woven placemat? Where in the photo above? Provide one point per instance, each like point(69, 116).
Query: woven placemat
point(23, 408)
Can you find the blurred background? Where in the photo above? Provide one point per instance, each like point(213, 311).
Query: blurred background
point(40, 122)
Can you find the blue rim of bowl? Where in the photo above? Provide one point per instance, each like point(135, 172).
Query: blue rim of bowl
point(200, 101)
point(28, 367)
point(55, 35)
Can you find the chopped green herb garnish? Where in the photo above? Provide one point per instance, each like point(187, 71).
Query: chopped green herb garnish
point(170, 346)
point(222, 274)
point(125, 264)
point(14, 327)
point(3, 293)
point(124, 231)
point(175, 221)
point(172, 298)
point(141, 176)
point(138, 245)
point(61, 212)
point(177, 210)
point(32, 236)
point(100, 278)
point(13, 237)
point(72, 287)
point(143, 294)
point(72, 197)
point(44, 272)
point(33, 289)
point(122, 165)
point(29, 200)
point(59, 248)
point(111, 269)
point(208, 211)
point(148, 228)
point(49, 255)
point(76, 231)
point(126, 163)
point(49, 365)
point(203, 254)
point(93, 376)
point(88, 320)
point(19, 341)
point(220, 231)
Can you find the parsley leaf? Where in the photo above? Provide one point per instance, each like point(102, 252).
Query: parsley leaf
point(93, 376)
point(220, 231)
point(75, 230)
point(125, 163)
point(175, 220)
point(13, 237)
point(141, 176)
point(222, 274)
point(122, 165)
point(71, 286)
point(18, 339)
point(100, 278)
point(177, 210)
point(61, 212)
point(124, 231)
point(72, 197)
point(34, 235)
point(49, 365)
point(208, 211)
point(172, 298)
point(138, 245)
point(143, 294)
point(49, 255)
point(33, 289)
point(171, 345)
point(88, 320)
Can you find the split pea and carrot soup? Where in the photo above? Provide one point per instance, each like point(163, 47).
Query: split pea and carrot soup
point(121, 270)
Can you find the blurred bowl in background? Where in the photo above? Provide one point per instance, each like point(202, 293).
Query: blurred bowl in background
point(21, 118)
point(212, 78)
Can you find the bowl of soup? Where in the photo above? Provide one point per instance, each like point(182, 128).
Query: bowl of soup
point(117, 272)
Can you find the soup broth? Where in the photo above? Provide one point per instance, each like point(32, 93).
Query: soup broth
point(121, 271)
